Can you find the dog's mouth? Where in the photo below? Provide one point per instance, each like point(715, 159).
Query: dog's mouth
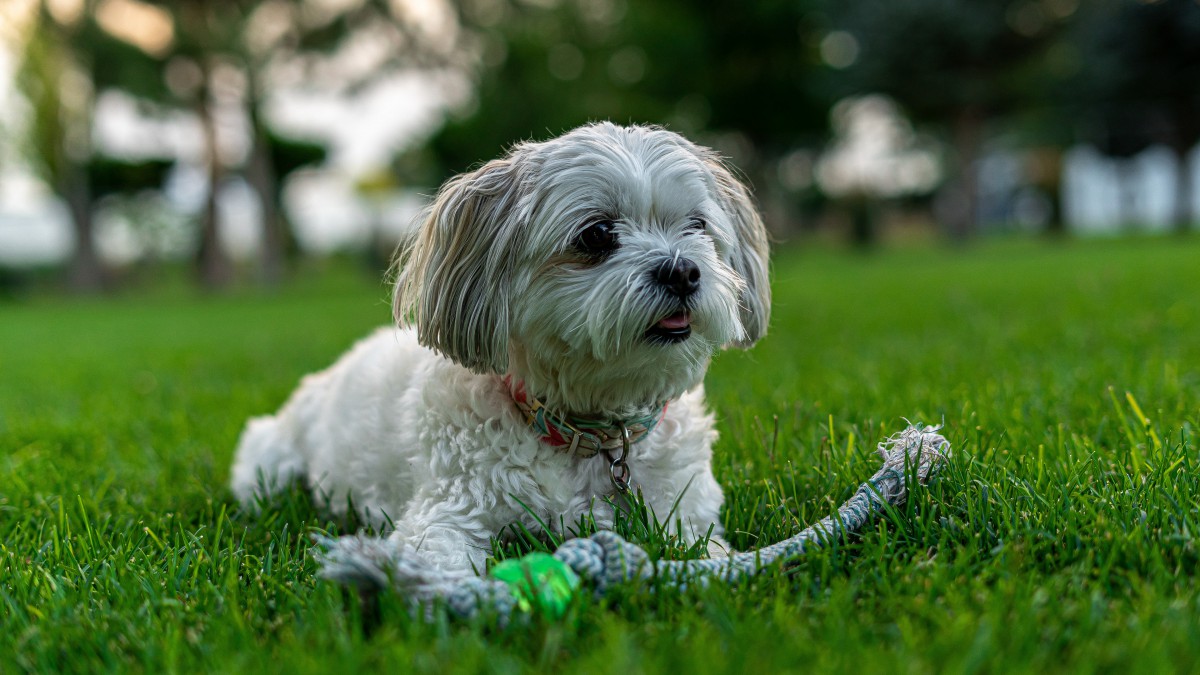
point(672, 329)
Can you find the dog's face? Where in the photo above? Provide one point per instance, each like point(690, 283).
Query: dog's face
point(603, 267)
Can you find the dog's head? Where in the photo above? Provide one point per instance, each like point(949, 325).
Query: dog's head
point(603, 267)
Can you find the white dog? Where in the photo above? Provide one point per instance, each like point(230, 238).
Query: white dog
point(558, 310)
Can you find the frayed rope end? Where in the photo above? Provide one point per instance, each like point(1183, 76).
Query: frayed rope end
point(919, 449)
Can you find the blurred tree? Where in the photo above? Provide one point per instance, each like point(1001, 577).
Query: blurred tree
point(283, 157)
point(874, 157)
point(56, 74)
point(70, 60)
point(212, 58)
point(254, 41)
point(953, 63)
point(1139, 83)
point(734, 75)
point(194, 56)
point(182, 76)
point(58, 136)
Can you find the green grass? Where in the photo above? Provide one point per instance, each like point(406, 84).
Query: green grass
point(1061, 537)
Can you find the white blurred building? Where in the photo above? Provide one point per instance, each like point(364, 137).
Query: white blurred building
point(1105, 196)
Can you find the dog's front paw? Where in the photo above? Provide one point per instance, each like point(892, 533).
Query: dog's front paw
point(449, 550)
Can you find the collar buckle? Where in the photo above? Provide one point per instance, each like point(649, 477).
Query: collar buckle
point(618, 469)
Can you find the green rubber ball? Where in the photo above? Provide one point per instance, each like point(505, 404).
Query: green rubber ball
point(540, 582)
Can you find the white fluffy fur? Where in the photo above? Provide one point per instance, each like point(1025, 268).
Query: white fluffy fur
point(416, 425)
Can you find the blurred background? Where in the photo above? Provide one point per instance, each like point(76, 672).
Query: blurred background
point(238, 139)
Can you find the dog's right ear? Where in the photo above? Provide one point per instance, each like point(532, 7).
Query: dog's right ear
point(456, 274)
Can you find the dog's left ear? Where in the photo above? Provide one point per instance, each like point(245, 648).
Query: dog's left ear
point(456, 273)
point(749, 253)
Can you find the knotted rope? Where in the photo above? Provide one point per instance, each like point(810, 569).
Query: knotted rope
point(605, 559)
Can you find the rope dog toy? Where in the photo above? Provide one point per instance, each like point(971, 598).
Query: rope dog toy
point(545, 584)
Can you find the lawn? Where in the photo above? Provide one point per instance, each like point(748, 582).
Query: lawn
point(1062, 536)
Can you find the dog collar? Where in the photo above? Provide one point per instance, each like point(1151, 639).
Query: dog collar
point(580, 436)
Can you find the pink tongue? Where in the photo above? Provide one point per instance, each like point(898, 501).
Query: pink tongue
point(676, 321)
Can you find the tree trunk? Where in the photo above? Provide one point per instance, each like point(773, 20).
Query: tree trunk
point(968, 140)
point(1183, 215)
point(1129, 207)
point(1056, 222)
point(86, 271)
point(1044, 167)
point(864, 230)
point(1185, 120)
point(213, 266)
point(260, 173)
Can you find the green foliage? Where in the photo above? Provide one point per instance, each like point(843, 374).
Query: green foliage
point(715, 66)
point(110, 175)
point(43, 64)
point(1061, 537)
point(112, 63)
point(938, 57)
point(290, 154)
point(1139, 60)
point(62, 69)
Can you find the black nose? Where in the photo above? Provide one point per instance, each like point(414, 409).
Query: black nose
point(679, 275)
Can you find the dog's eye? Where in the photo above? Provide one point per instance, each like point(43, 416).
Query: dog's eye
point(597, 238)
point(696, 226)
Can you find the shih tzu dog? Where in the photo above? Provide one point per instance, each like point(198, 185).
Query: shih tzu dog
point(557, 311)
